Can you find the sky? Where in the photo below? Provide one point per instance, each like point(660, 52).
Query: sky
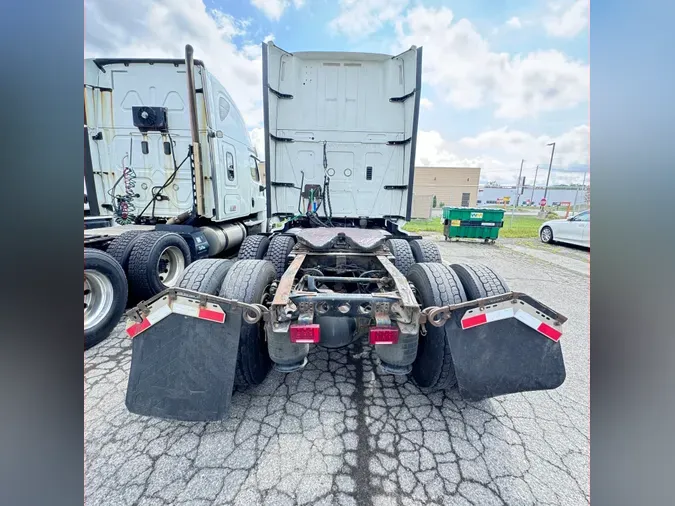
point(501, 78)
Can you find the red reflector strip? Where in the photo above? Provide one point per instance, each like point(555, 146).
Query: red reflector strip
point(137, 328)
point(549, 332)
point(305, 334)
point(474, 321)
point(383, 335)
point(214, 316)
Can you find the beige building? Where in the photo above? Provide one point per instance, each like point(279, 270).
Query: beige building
point(452, 186)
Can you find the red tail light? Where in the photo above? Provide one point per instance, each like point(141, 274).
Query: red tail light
point(309, 333)
point(384, 335)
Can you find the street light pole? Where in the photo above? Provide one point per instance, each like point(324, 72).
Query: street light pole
point(549, 168)
point(534, 183)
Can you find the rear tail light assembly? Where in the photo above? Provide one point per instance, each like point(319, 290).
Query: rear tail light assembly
point(305, 333)
point(383, 335)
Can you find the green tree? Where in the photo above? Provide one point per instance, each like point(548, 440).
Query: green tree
point(433, 202)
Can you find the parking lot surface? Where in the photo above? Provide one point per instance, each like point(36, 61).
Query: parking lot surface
point(340, 432)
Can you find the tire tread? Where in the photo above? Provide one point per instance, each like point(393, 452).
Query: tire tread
point(403, 255)
point(243, 282)
point(253, 247)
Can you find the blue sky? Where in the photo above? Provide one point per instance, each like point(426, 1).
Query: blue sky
point(501, 78)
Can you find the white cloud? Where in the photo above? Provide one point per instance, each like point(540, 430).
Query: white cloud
point(514, 22)
point(274, 9)
point(359, 18)
point(568, 20)
point(572, 147)
point(460, 65)
point(426, 103)
point(498, 153)
point(161, 28)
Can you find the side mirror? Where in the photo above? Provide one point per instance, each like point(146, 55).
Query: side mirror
point(261, 187)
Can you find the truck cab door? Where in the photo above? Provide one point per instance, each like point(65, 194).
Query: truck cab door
point(228, 160)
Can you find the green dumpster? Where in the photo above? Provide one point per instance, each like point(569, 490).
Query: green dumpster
point(473, 223)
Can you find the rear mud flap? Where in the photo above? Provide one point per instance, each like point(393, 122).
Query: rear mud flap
point(504, 355)
point(183, 367)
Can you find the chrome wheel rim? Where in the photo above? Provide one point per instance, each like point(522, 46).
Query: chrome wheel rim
point(546, 235)
point(170, 265)
point(98, 298)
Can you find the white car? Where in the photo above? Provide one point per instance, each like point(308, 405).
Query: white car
point(574, 230)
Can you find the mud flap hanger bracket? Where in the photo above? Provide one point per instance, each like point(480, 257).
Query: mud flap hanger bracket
point(252, 313)
point(438, 316)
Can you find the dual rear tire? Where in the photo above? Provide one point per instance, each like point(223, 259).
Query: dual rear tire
point(438, 284)
point(153, 261)
point(246, 281)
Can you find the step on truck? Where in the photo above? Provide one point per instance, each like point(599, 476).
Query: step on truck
point(336, 266)
point(171, 177)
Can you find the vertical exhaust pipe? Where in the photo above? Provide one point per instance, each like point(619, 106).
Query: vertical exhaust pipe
point(198, 182)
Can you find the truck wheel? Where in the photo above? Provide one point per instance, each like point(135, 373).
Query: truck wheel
point(249, 281)
point(205, 276)
point(120, 247)
point(277, 253)
point(479, 281)
point(436, 285)
point(157, 261)
point(425, 251)
point(105, 295)
point(403, 255)
point(254, 247)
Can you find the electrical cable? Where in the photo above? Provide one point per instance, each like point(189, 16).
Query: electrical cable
point(169, 180)
point(122, 205)
point(328, 208)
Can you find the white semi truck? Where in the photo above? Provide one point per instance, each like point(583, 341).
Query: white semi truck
point(341, 131)
point(171, 177)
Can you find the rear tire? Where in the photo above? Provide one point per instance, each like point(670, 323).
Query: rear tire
point(253, 247)
point(105, 295)
point(479, 281)
point(249, 281)
point(205, 276)
point(436, 285)
point(279, 248)
point(425, 251)
point(156, 263)
point(403, 255)
point(120, 247)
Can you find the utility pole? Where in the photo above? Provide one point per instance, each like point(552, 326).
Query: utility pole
point(549, 167)
point(517, 191)
point(534, 184)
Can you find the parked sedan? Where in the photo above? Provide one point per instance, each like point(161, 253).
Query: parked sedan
point(574, 230)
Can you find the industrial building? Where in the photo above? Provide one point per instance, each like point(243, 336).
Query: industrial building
point(452, 186)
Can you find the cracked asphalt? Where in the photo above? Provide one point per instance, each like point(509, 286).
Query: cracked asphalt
point(342, 433)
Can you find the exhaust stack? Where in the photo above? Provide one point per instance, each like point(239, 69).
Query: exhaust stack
point(198, 182)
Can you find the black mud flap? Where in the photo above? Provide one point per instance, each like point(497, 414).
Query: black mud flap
point(183, 368)
point(504, 356)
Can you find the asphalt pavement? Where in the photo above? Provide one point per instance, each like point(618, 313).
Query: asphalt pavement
point(340, 432)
